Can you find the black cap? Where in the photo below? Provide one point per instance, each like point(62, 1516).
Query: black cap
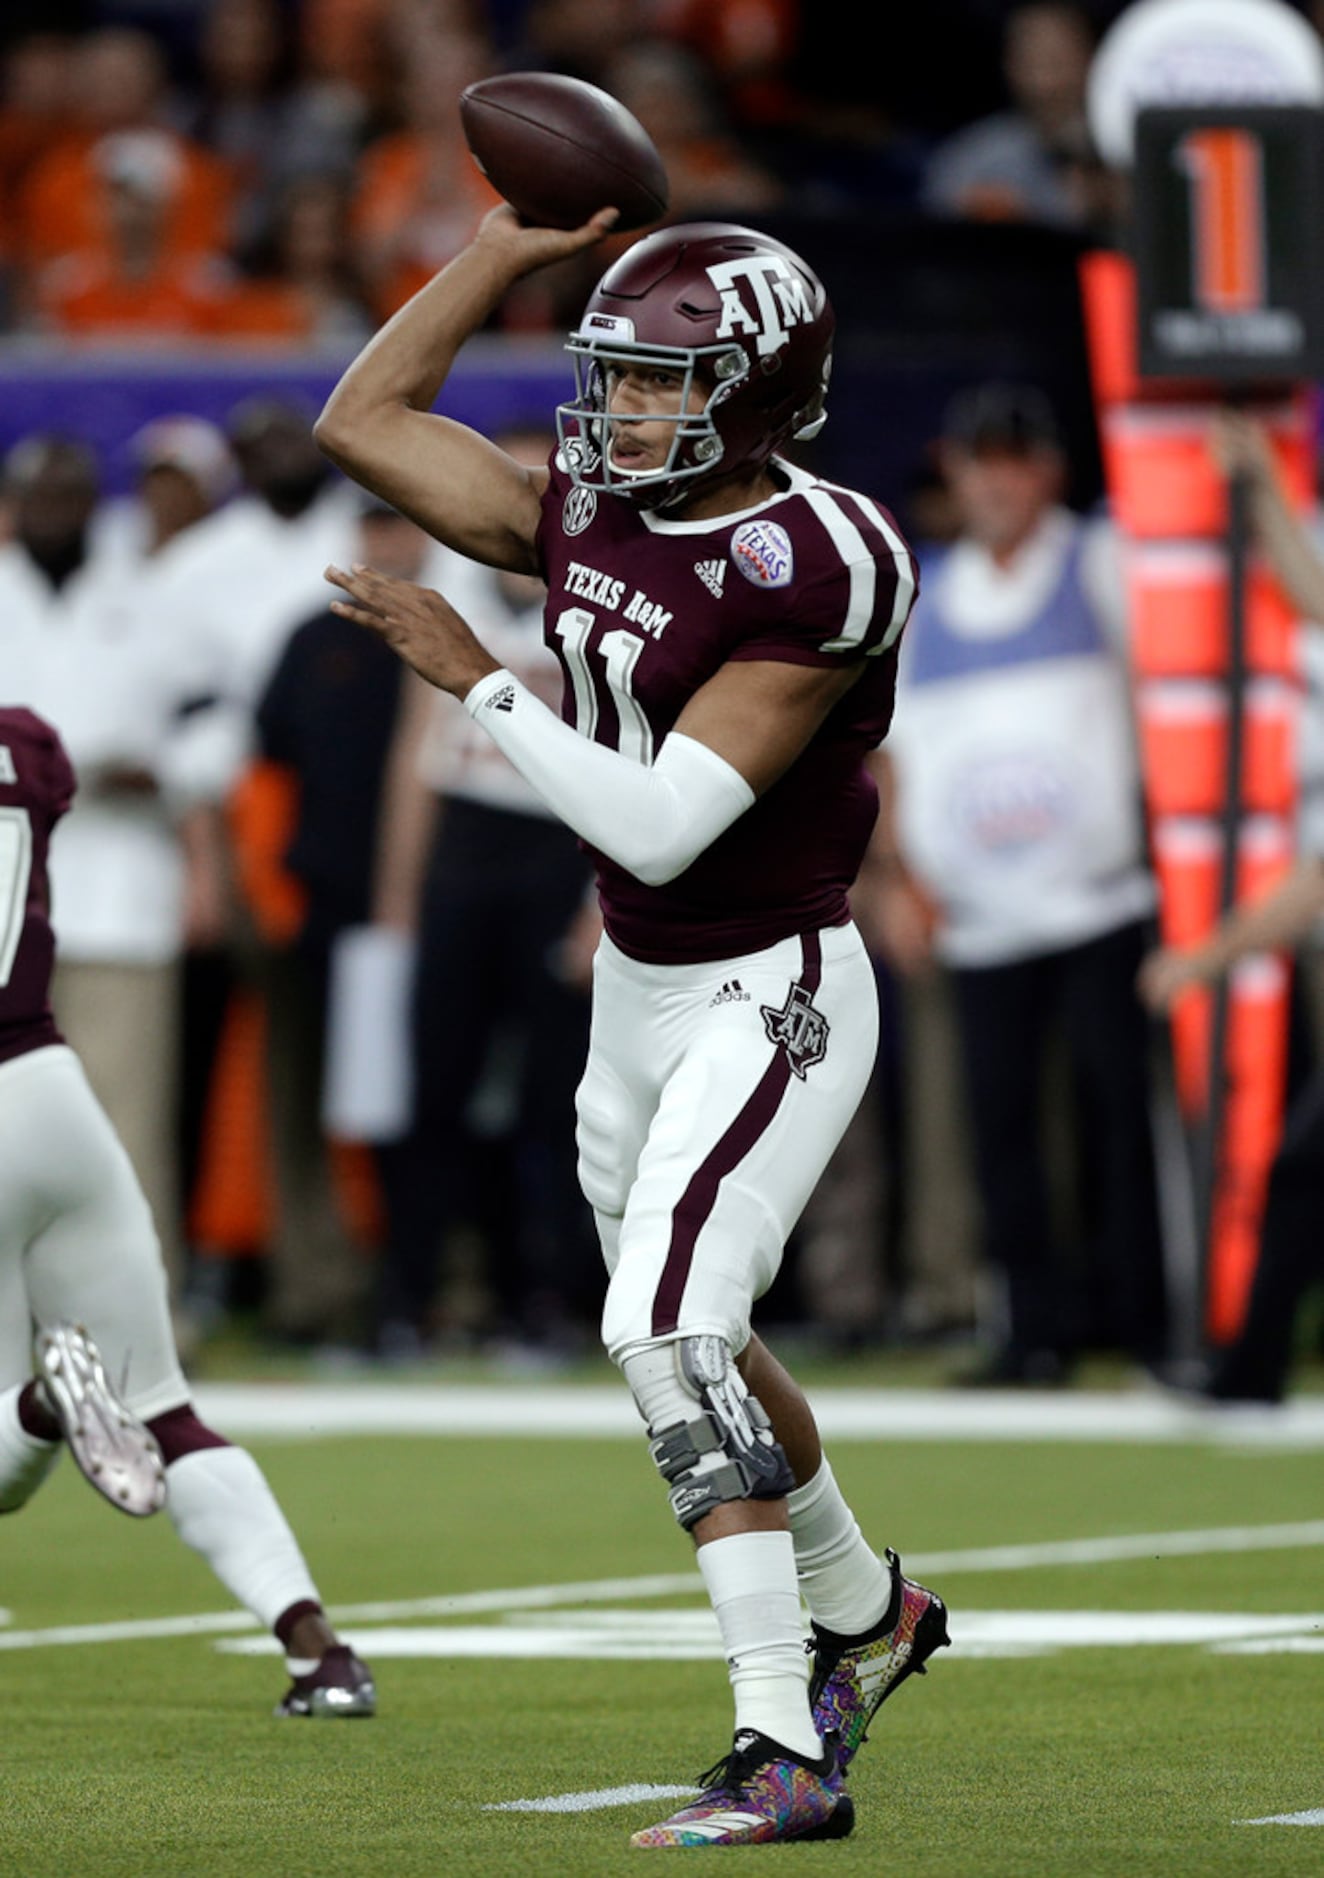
point(1000, 416)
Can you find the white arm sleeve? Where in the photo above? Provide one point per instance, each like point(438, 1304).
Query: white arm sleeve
point(651, 821)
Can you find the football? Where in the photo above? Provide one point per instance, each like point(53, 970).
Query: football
point(559, 149)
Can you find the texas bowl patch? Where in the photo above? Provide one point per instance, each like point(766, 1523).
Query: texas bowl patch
point(762, 552)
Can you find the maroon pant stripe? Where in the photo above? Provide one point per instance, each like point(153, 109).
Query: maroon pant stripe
point(700, 1196)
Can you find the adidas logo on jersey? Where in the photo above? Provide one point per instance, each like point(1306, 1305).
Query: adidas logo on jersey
point(712, 574)
point(731, 993)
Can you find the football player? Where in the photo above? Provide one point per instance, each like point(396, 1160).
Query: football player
point(727, 627)
point(79, 1257)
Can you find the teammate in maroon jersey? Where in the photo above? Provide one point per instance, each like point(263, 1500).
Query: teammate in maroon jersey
point(77, 1243)
point(728, 628)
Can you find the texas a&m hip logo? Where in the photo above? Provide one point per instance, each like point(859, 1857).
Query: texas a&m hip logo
point(798, 1029)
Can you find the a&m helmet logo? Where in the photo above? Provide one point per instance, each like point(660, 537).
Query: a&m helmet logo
point(762, 297)
point(762, 552)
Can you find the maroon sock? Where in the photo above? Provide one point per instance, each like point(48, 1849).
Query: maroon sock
point(179, 1432)
point(34, 1418)
point(284, 1624)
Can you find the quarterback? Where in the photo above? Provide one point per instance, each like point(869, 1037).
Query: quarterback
point(727, 627)
point(77, 1243)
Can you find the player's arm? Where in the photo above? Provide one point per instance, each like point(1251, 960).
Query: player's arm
point(379, 426)
point(735, 737)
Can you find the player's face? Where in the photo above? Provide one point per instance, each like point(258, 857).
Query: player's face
point(642, 398)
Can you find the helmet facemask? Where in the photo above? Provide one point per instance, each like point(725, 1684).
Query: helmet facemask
point(585, 426)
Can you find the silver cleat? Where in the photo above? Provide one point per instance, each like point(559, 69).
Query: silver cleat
point(340, 1686)
point(113, 1450)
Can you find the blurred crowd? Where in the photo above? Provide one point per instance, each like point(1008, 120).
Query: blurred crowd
point(324, 955)
point(256, 170)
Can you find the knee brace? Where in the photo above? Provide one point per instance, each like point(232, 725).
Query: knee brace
point(710, 1439)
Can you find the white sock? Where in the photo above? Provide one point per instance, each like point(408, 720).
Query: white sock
point(25, 1460)
point(751, 1582)
point(222, 1506)
point(845, 1584)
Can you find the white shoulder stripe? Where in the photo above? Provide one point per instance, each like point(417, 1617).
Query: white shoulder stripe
point(849, 543)
point(863, 569)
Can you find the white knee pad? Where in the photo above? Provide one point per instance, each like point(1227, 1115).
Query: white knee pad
point(710, 1439)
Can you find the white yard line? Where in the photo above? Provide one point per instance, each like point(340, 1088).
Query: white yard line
point(592, 1802)
point(314, 1411)
point(1116, 1547)
point(1314, 1817)
point(1155, 1545)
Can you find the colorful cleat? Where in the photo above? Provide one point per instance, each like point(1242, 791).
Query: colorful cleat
point(341, 1685)
point(853, 1676)
point(757, 1795)
point(113, 1449)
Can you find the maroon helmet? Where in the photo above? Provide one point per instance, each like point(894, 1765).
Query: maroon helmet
point(734, 310)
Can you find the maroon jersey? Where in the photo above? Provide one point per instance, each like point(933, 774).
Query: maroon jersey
point(642, 611)
point(36, 787)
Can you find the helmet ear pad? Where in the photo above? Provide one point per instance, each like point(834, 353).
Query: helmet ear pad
point(738, 308)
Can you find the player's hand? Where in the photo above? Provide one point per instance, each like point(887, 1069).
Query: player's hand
point(1167, 973)
point(522, 247)
point(417, 623)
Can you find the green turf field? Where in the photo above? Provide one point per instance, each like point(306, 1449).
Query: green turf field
point(157, 1755)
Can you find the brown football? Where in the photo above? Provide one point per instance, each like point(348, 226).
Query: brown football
point(559, 149)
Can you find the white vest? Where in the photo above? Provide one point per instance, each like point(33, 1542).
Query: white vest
point(1018, 789)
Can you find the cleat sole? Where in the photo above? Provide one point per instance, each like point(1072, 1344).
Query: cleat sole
point(839, 1825)
point(115, 1453)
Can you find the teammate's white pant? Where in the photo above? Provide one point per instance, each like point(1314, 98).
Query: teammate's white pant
point(76, 1234)
point(713, 1098)
point(77, 1241)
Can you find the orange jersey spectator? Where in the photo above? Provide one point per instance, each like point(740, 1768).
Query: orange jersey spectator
point(34, 108)
point(136, 283)
point(420, 194)
point(63, 204)
point(416, 207)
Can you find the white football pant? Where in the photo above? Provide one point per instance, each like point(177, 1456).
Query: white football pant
point(76, 1235)
point(713, 1098)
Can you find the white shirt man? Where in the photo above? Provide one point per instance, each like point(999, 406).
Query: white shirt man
point(1018, 790)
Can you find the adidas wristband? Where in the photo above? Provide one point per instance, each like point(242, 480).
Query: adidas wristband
point(653, 821)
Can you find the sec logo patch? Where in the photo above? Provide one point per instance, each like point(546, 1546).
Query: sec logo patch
point(762, 552)
point(580, 506)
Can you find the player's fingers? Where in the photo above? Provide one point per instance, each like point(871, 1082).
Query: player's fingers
point(338, 577)
point(361, 615)
point(364, 581)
